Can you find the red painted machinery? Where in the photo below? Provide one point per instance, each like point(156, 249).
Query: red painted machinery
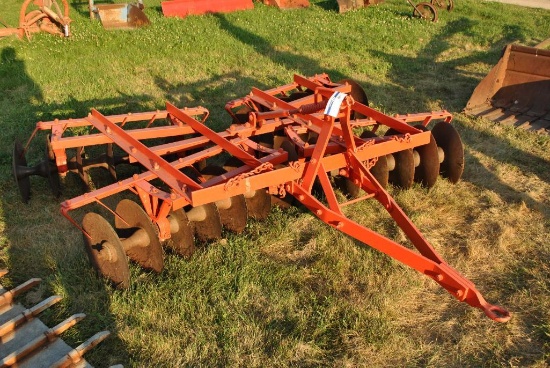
point(183, 8)
point(283, 142)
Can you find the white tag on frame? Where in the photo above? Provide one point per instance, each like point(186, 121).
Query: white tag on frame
point(334, 103)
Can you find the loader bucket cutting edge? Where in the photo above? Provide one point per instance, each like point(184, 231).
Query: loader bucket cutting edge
point(517, 89)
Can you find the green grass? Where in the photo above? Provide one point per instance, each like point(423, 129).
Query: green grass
point(290, 291)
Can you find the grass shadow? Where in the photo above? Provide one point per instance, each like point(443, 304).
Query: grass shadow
point(31, 247)
point(420, 77)
point(290, 60)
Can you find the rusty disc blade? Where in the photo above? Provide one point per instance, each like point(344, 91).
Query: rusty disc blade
point(427, 171)
point(181, 241)
point(358, 94)
point(210, 228)
point(105, 251)
point(380, 169)
point(259, 205)
point(233, 217)
point(403, 173)
point(448, 139)
point(23, 181)
point(53, 176)
point(140, 236)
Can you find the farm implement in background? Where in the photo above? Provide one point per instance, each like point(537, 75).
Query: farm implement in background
point(289, 143)
point(40, 16)
point(517, 89)
point(428, 11)
point(183, 8)
point(119, 16)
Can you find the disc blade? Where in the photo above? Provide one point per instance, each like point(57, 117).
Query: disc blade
point(147, 252)
point(380, 169)
point(211, 227)
point(259, 205)
point(23, 181)
point(105, 250)
point(358, 94)
point(427, 171)
point(403, 173)
point(53, 176)
point(449, 140)
point(181, 241)
point(234, 217)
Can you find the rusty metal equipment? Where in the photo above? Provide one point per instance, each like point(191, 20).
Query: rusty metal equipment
point(183, 8)
point(119, 16)
point(443, 4)
point(424, 11)
point(517, 89)
point(26, 342)
point(282, 143)
point(346, 5)
point(287, 4)
point(40, 16)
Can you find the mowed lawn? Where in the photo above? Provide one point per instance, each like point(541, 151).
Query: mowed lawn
point(290, 291)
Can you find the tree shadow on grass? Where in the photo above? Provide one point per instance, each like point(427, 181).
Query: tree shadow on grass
point(502, 152)
point(428, 76)
point(35, 240)
point(304, 65)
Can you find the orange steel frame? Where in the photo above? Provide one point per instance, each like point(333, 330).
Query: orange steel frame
point(336, 149)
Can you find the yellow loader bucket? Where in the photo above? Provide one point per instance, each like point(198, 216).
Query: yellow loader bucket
point(517, 90)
